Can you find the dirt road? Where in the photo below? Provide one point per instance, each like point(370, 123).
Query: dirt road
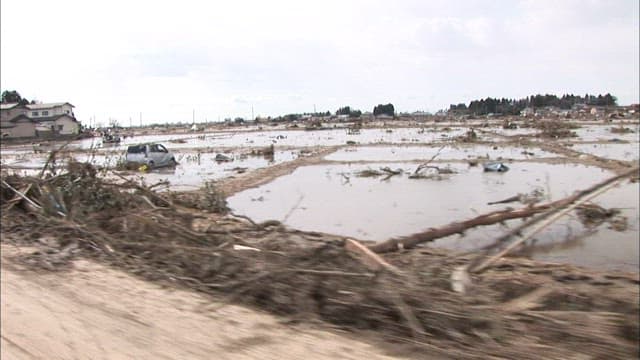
point(94, 312)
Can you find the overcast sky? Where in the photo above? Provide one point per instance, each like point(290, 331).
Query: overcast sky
point(117, 59)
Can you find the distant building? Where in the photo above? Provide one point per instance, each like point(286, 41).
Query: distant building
point(528, 111)
point(18, 127)
point(50, 109)
point(33, 120)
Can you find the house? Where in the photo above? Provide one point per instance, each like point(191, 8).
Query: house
point(59, 124)
point(49, 109)
point(38, 120)
point(528, 111)
point(19, 127)
point(10, 111)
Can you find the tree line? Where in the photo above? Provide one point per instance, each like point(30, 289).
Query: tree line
point(514, 107)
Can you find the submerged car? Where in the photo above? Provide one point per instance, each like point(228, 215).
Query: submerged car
point(153, 155)
point(495, 167)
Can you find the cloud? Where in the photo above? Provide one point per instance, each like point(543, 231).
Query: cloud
point(117, 58)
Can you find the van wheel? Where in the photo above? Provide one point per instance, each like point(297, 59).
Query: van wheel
point(173, 162)
point(150, 164)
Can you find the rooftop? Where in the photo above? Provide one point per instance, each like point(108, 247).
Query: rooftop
point(46, 105)
point(8, 106)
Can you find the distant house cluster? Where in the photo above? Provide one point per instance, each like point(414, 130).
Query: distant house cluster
point(37, 120)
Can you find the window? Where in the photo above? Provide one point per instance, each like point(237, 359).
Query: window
point(60, 127)
point(45, 113)
point(35, 113)
point(135, 149)
point(66, 111)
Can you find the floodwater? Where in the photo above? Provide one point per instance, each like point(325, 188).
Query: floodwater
point(513, 132)
point(625, 152)
point(603, 133)
point(449, 152)
point(330, 198)
point(191, 173)
point(287, 138)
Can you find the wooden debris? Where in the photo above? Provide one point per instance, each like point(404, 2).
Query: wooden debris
point(370, 259)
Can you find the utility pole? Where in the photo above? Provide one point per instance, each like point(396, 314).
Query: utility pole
point(252, 113)
point(140, 119)
point(314, 109)
point(130, 123)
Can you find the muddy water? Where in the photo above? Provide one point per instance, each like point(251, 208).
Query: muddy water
point(406, 153)
point(331, 199)
point(192, 171)
point(603, 133)
point(289, 138)
point(608, 248)
point(625, 152)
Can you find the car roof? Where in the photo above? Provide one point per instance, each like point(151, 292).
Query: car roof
point(147, 143)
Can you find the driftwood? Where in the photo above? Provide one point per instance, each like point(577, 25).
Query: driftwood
point(426, 164)
point(368, 258)
point(544, 220)
point(489, 219)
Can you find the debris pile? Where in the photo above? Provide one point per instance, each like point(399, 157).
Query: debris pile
point(555, 129)
point(511, 309)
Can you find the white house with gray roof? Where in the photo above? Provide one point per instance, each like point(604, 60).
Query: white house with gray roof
point(37, 120)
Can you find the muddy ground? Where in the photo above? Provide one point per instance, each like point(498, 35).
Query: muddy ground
point(517, 308)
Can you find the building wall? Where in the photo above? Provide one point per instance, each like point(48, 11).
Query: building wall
point(65, 125)
point(51, 111)
point(22, 129)
point(6, 115)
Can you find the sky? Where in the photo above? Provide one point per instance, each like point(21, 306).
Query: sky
point(175, 61)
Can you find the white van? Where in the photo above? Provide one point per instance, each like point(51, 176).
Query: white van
point(153, 155)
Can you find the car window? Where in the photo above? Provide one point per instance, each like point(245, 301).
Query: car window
point(161, 148)
point(135, 149)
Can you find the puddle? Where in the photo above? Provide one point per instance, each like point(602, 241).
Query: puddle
point(626, 152)
point(388, 153)
point(331, 199)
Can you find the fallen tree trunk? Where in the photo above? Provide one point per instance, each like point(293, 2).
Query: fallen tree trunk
point(487, 219)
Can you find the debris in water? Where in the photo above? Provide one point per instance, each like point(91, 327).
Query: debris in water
point(223, 158)
point(495, 167)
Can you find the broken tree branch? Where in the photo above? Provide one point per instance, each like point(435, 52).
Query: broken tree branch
point(368, 258)
point(550, 217)
point(489, 219)
point(36, 205)
point(425, 164)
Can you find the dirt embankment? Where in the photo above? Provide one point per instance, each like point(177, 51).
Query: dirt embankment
point(94, 312)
